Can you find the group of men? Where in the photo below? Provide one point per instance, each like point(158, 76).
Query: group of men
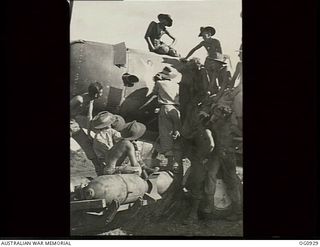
point(110, 142)
point(205, 135)
point(211, 123)
point(212, 127)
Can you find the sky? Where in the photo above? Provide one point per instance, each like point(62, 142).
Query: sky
point(126, 21)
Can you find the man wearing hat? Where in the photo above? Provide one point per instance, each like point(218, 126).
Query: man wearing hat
point(167, 92)
point(222, 159)
point(81, 108)
point(214, 60)
point(112, 147)
point(154, 33)
point(105, 136)
point(119, 123)
point(123, 149)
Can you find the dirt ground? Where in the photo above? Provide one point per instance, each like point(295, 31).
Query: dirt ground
point(142, 225)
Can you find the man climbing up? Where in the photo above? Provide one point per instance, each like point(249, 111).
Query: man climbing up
point(169, 116)
point(214, 50)
point(81, 108)
point(167, 92)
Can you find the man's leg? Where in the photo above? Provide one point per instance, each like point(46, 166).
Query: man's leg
point(165, 134)
point(213, 166)
point(85, 143)
point(116, 156)
point(232, 182)
point(224, 77)
point(174, 117)
point(211, 67)
point(213, 85)
point(195, 184)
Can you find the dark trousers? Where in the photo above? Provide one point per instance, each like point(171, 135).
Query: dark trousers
point(225, 163)
point(204, 173)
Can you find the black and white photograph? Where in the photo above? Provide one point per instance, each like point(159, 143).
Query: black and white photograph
point(156, 118)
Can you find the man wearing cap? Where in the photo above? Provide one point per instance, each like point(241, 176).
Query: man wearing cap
point(167, 92)
point(214, 60)
point(154, 33)
point(81, 108)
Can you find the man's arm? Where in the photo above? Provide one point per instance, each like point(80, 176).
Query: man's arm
point(208, 134)
point(148, 33)
point(235, 75)
point(132, 156)
point(193, 50)
point(218, 46)
point(175, 118)
point(75, 104)
point(173, 38)
point(150, 43)
point(116, 136)
point(99, 147)
point(152, 97)
point(89, 115)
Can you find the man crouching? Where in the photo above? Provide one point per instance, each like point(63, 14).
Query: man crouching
point(115, 147)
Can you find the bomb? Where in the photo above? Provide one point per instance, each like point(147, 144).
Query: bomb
point(127, 188)
point(78, 181)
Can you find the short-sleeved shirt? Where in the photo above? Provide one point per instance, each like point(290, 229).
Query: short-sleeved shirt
point(155, 31)
point(104, 141)
point(212, 46)
point(167, 91)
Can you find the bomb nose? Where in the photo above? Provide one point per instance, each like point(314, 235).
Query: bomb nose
point(89, 193)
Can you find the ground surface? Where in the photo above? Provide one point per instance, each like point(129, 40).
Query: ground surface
point(150, 223)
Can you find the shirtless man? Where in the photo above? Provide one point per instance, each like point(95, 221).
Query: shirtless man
point(124, 148)
point(154, 33)
point(214, 50)
point(81, 108)
point(105, 136)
